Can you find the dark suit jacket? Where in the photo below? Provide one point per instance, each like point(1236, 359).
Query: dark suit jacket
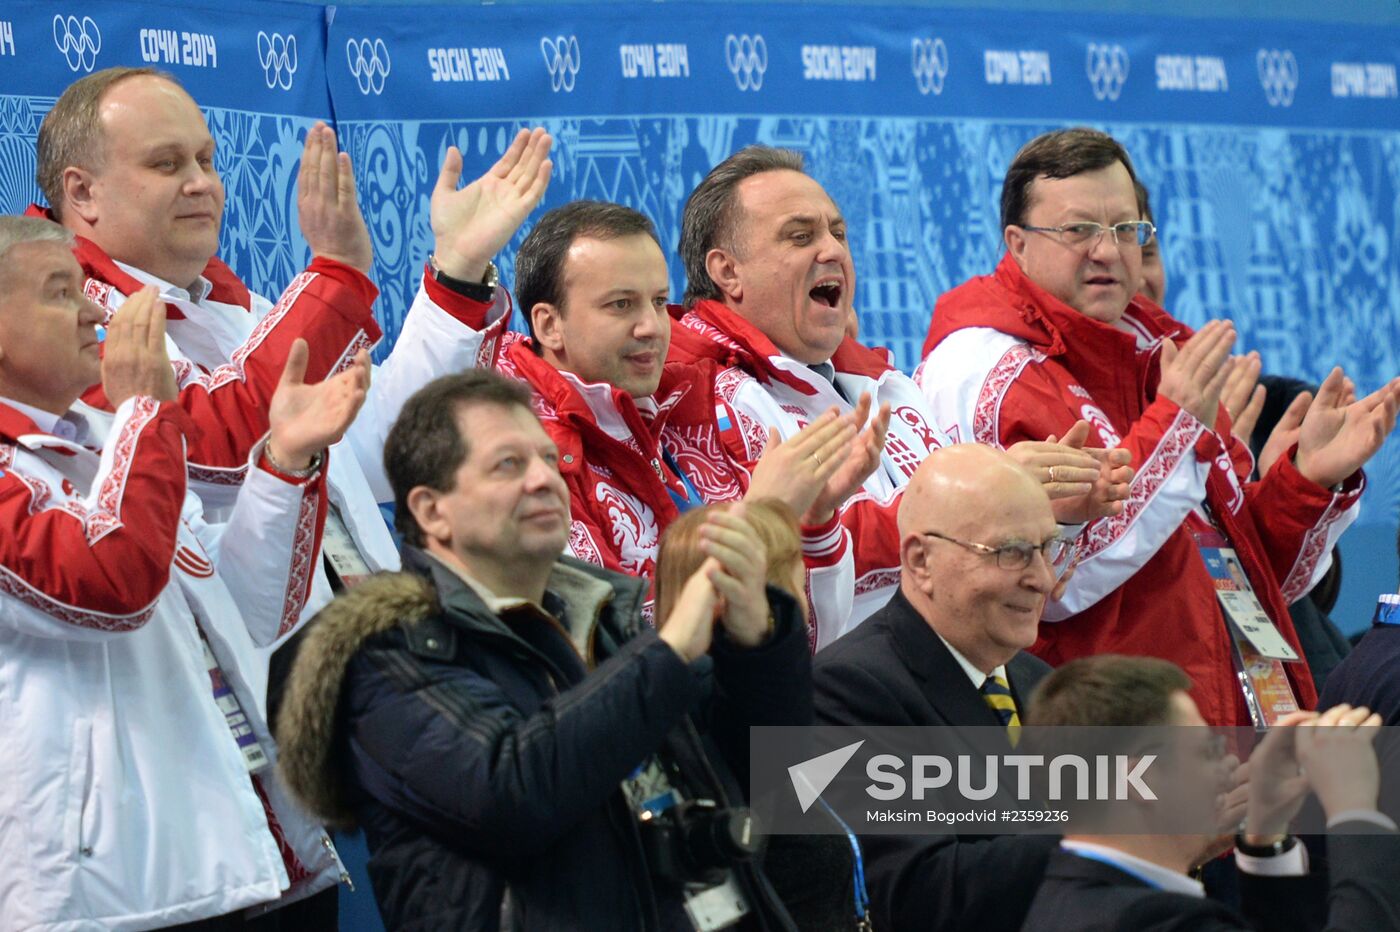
point(895, 670)
point(1082, 895)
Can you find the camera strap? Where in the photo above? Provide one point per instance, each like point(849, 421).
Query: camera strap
point(862, 898)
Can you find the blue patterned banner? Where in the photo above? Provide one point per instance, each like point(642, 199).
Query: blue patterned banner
point(259, 57)
point(780, 60)
point(1272, 149)
point(257, 69)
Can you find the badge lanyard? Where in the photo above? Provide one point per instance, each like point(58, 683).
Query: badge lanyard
point(254, 757)
point(692, 498)
point(862, 898)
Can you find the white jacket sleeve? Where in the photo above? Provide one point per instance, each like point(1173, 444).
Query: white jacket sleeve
point(267, 550)
point(982, 380)
point(432, 343)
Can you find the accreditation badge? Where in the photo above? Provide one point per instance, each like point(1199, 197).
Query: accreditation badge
point(341, 552)
point(254, 757)
point(1259, 647)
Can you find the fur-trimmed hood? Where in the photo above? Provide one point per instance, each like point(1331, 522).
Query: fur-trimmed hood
point(306, 722)
point(308, 718)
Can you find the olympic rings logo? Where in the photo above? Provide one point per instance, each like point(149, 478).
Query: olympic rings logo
point(1107, 67)
point(369, 64)
point(78, 40)
point(562, 59)
point(278, 56)
point(929, 62)
point(747, 58)
point(1278, 75)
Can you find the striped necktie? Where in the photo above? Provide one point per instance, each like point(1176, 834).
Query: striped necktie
point(997, 694)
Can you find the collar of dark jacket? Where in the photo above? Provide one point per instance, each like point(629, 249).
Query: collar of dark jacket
point(434, 606)
point(583, 590)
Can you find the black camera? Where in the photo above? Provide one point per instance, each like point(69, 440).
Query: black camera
point(696, 841)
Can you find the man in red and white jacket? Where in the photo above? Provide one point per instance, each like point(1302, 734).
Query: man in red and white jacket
point(135, 781)
point(1059, 334)
point(126, 160)
point(638, 439)
point(148, 211)
point(768, 300)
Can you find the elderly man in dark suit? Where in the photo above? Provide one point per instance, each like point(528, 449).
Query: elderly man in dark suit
point(978, 545)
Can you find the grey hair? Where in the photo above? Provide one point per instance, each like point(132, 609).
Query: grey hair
point(15, 231)
point(709, 219)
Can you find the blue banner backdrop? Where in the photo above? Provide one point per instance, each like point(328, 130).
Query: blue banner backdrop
point(1272, 149)
point(258, 69)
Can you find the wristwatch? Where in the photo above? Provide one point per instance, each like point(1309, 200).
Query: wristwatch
point(1282, 846)
point(483, 291)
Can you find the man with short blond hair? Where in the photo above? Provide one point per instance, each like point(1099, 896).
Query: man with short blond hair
point(147, 202)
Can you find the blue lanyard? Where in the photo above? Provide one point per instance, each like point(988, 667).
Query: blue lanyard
point(1387, 610)
point(858, 878)
point(692, 498)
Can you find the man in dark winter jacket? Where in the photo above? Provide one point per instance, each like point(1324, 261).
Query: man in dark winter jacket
point(520, 748)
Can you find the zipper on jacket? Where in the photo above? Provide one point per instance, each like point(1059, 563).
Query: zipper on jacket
point(340, 865)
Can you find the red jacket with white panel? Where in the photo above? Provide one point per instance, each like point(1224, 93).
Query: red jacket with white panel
point(229, 347)
point(125, 801)
point(1006, 361)
point(611, 457)
point(760, 388)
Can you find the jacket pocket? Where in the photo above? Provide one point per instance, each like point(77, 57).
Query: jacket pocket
point(77, 816)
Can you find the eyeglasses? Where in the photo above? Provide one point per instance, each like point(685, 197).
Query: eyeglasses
point(1128, 233)
point(1013, 556)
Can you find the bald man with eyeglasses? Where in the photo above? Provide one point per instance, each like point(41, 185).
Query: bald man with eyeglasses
point(980, 552)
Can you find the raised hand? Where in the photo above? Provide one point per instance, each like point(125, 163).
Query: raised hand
point(1338, 434)
point(327, 206)
point(863, 459)
point(305, 419)
point(1243, 396)
point(134, 359)
point(472, 224)
point(796, 471)
point(1194, 376)
point(1285, 432)
point(740, 575)
point(1335, 753)
point(690, 627)
point(1230, 808)
point(1107, 492)
point(1277, 788)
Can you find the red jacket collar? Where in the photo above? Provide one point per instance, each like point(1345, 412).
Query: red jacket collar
point(14, 425)
point(563, 398)
point(1010, 302)
point(227, 288)
point(710, 330)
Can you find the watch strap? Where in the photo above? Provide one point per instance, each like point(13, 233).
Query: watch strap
point(1281, 846)
point(483, 292)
